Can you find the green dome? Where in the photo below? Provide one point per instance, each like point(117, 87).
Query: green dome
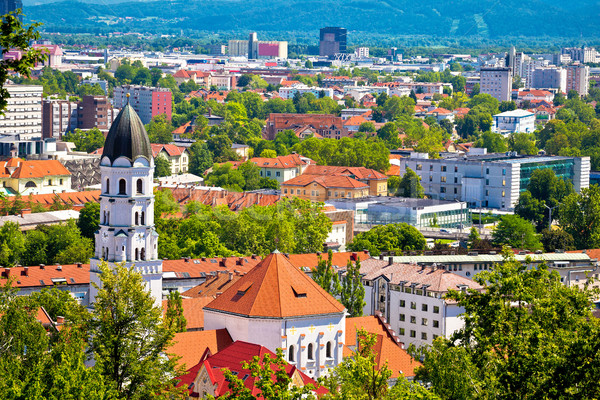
point(127, 137)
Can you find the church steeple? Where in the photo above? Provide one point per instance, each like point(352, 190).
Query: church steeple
point(126, 233)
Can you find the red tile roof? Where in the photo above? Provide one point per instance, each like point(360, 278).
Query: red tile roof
point(359, 173)
point(289, 161)
point(327, 181)
point(277, 289)
point(307, 262)
point(34, 168)
point(234, 200)
point(192, 311)
point(190, 346)
point(213, 286)
point(170, 149)
point(77, 199)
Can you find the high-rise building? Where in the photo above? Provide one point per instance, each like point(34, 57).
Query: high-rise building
point(581, 54)
point(126, 232)
point(10, 6)
point(496, 82)
point(95, 112)
point(147, 102)
point(549, 78)
point(23, 113)
point(58, 117)
point(578, 79)
point(332, 41)
point(253, 46)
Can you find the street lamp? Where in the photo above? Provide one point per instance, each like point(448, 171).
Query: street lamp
point(550, 216)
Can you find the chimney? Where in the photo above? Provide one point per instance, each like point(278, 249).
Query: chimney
point(381, 256)
point(79, 265)
point(60, 319)
point(25, 211)
point(391, 260)
point(222, 262)
point(230, 276)
point(253, 256)
point(354, 256)
point(26, 271)
point(6, 272)
point(366, 251)
point(239, 261)
point(42, 266)
point(186, 259)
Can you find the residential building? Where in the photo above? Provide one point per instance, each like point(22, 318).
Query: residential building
point(94, 80)
point(528, 68)
point(470, 85)
point(287, 93)
point(376, 181)
point(324, 187)
point(441, 114)
point(421, 213)
point(34, 177)
point(549, 78)
point(348, 113)
point(58, 117)
point(199, 77)
point(23, 113)
point(177, 156)
point(514, 121)
point(361, 52)
point(326, 125)
point(126, 232)
point(574, 268)
point(332, 41)
point(147, 102)
point(280, 168)
point(411, 299)
point(582, 54)
point(340, 81)
point(95, 112)
point(496, 82)
point(490, 180)
point(578, 79)
point(223, 81)
point(421, 87)
point(53, 52)
point(534, 96)
point(358, 92)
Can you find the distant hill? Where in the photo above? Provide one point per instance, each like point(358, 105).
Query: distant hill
point(483, 18)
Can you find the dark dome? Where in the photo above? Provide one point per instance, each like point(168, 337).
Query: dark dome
point(127, 137)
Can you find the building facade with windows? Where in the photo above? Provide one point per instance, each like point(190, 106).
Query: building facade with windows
point(324, 187)
point(514, 121)
point(578, 79)
point(23, 113)
point(147, 102)
point(496, 82)
point(490, 180)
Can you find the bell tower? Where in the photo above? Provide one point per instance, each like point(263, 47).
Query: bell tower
point(126, 233)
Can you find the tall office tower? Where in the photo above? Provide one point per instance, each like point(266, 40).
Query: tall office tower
point(578, 79)
point(11, 5)
point(511, 59)
point(252, 46)
point(332, 41)
point(496, 82)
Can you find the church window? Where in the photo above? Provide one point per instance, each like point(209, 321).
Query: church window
point(30, 184)
point(143, 220)
point(122, 186)
point(311, 353)
point(137, 254)
point(292, 354)
point(143, 254)
point(328, 350)
point(137, 218)
point(140, 186)
point(107, 189)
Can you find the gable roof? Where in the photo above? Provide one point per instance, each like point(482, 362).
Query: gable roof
point(275, 289)
point(338, 259)
point(190, 346)
point(35, 168)
point(170, 149)
point(358, 173)
point(327, 181)
point(213, 286)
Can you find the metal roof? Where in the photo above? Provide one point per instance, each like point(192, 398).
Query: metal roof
point(490, 258)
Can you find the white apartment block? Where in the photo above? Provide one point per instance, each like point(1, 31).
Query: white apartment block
point(23, 113)
point(410, 298)
point(490, 180)
point(361, 52)
point(358, 92)
point(290, 92)
point(496, 82)
point(578, 79)
point(514, 121)
point(549, 78)
point(581, 54)
point(527, 69)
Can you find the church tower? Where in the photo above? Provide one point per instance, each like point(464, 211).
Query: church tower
point(126, 233)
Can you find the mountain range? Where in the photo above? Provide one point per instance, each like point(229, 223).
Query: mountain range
point(443, 18)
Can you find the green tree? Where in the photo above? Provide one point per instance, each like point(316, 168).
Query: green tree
point(557, 239)
point(395, 107)
point(200, 158)
point(579, 216)
point(493, 142)
point(162, 166)
point(523, 143)
point(507, 106)
point(226, 176)
point(89, 219)
point(392, 237)
point(308, 64)
point(326, 276)
point(87, 141)
point(516, 232)
point(268, 153)
point(367, 127)
point(128, 338)
point(410, 185)
point(174, 318)
point(516, 342)
point(160, 129)
point(352, 295)
point(35, 249)
point(12, 244)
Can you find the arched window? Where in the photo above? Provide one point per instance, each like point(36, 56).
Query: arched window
point(30, 184)
point(292, 354)
point(104, 217)
point(137, 254)
point(107, 190)
point(328, 350)
point(143, 254)
point(311, 353)
point(137, 218)
point(143, 220)
point(140, 186)
point(122, 186)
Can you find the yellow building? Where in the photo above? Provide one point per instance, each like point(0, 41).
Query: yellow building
point(34, 177)
point(324, 187)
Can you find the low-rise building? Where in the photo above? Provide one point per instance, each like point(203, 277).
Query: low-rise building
point(514, 121)
point(34, 177)
point(326, 125)
point(291, 91)
point(324, 187)
point(376, 181)
point(177, 156)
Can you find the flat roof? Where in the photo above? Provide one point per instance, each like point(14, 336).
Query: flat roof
point(394, 201)
point(448, 259)
point(515, 113)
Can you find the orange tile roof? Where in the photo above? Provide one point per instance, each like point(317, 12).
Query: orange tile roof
point(359, 173)
point(592, 253)
point(170, 149)
point(37, 169)
point(387, 348)
point(234, 200)
point(289, 161)
point(536, 93)
point(77, 199)
point(356, 120)
point(327, 181)
point(37, 276)
point(339, 259)
point(276, 289)
point(394, 170)
point(182, 129)
point(190, 346)
point(440, 111)
point(192, 311)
